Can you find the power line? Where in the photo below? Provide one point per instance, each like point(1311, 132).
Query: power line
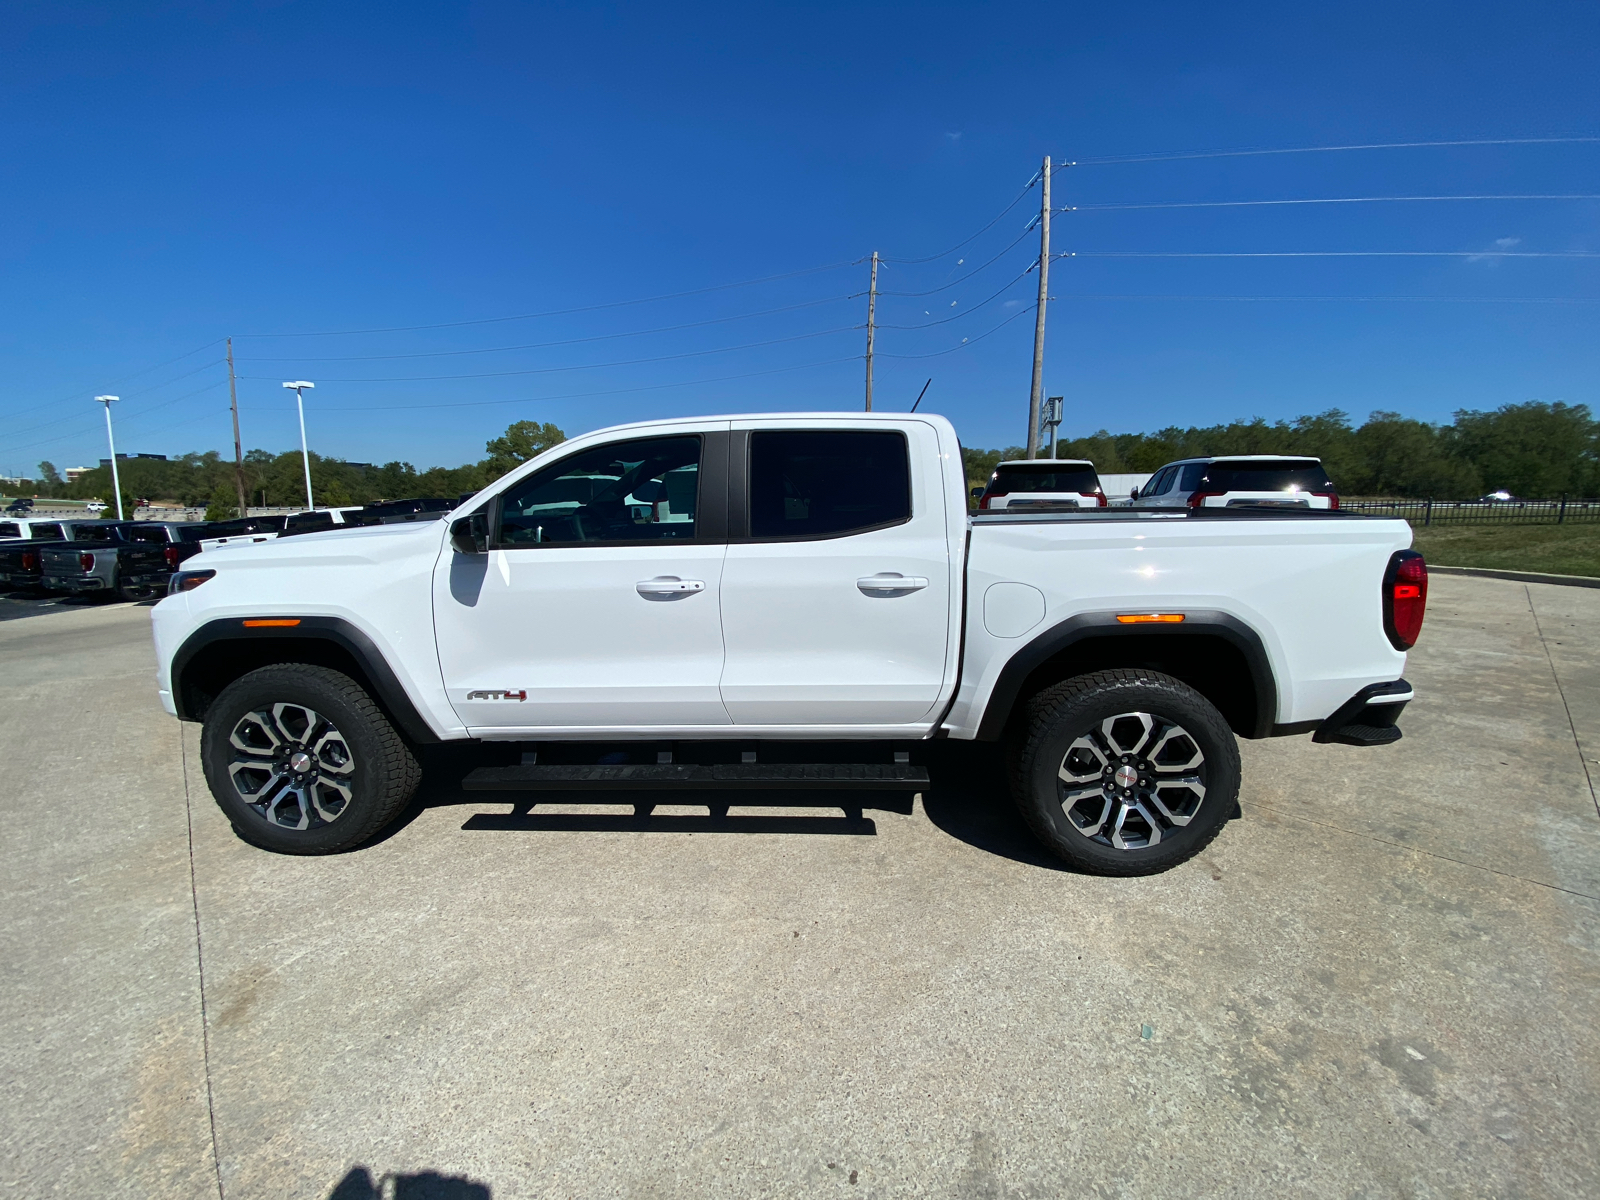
point(1331, 200)
point(1362, 299)
point(627, 362)
point(1114, 159)
point(545, 345)
point(1335, 254)
point(121, 379)
point(965, 342)
point(654, 387)
point(556, 312)
point(975, 271)
point(50, 441)
point(947, 253)
point(140, 392)
point(969, 311)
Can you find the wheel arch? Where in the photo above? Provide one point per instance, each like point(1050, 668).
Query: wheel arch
point(1215, 653)
point(220, 651)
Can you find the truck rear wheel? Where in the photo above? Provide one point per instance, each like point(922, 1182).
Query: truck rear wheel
point(303, 761)
point(1124, 772)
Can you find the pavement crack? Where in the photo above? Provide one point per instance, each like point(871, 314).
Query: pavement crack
point(1461, 862)
point(1560, 691)
point(200, 965)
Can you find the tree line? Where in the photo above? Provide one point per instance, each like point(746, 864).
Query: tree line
point(1536, 450)
point(1533, 450)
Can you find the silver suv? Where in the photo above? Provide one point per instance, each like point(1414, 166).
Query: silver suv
point(1235, 480)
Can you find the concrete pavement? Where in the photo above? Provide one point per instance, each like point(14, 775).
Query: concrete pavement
point(1382, 981)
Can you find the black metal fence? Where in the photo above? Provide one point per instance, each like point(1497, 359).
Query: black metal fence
point(1480, 512)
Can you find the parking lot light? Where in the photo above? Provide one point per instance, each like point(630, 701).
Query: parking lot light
point(116, 482)
point(299, 386)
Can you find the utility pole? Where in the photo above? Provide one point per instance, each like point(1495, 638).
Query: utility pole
point(872, 315)
point(238, 449)
point(1035, 394)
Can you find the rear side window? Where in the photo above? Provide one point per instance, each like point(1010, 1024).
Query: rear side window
point(1268, 475)
point(42, 533)
point(645, 490)
point(92, 533)
point(826, 483)
point(1191, 477)
point(1022, 477)
point(148, 533)
point(10, 529)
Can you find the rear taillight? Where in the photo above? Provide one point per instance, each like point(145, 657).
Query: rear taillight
point(171, 555)
point(1198, 500)
point(1331, 497)
point(86, 561)
point(983, 501)
point(30, 561)
point(1097, 496)
point(1405, 597)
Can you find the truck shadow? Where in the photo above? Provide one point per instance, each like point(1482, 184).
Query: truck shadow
point(425, 1185)
point(967, 800)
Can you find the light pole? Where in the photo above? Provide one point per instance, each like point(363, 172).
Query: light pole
point(299, 386)
point(116, 481)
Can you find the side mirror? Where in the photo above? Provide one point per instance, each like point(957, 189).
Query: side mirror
point(1133, 493)
point(977, 493)
point(470, 535)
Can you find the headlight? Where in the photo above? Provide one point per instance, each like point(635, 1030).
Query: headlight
point(187, 581)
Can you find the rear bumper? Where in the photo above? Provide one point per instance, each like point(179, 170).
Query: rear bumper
point(73, 583)
point(1369, 717)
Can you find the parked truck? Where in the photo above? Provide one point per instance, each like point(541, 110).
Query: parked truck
point(128, 559)
point(707, 592)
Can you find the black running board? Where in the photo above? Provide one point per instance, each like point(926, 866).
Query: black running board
point(899, 777)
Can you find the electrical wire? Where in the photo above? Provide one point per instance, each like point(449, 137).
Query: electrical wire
point(1474, 254)
point(50, 441)
point(654, 387)
point(969, 274)
point(969, 311)
point(965, 342)
point(563, 342)
point(1333, 200)
point(1115, 159)
point(86, 415)
point(627, 362)
point(556, 312)
point(947, 253)
point(1363, 299)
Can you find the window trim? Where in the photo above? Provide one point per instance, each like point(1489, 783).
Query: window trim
point(711, 502)
point(739, 490)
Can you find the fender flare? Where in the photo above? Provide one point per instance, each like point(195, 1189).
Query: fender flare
point(1204, 623)
point(389, 692)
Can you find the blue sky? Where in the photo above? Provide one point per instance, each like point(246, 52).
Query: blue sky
point(176, 173)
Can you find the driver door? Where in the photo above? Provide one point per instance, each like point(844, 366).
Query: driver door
point(596, 605)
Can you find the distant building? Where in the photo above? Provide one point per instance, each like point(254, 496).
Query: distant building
point(106, 462)
point(72, 473)
point(358, 466)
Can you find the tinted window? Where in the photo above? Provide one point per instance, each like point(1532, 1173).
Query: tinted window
point(93, 533)
point(192, 533)
point(822, 483)
point(42, 533)
point(1158, 483)
point(1267, 475)
point(1191, 476)
point(1024, 478)
point(148, 533)
point(639, 491)
point(10, 529)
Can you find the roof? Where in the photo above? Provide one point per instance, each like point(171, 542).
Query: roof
point(1046, 462)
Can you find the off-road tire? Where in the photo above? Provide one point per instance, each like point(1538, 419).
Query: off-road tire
point(382, 776)
point(1056, 718)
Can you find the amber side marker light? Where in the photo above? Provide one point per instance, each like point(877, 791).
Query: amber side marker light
point(1149, 618)
point(271, 624)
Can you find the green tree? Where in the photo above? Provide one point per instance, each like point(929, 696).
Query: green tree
point(521, 441)
point(224, 504)
point(48, 476)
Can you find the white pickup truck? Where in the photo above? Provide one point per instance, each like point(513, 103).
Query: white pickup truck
point(690, 600)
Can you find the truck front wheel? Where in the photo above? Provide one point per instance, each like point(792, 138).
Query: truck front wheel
point(303, 761)
point(1124, 772)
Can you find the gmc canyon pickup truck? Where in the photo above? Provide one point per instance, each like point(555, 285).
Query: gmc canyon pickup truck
point(711, 594)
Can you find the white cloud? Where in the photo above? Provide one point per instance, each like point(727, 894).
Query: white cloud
point(954, 137)
point(1501, 246)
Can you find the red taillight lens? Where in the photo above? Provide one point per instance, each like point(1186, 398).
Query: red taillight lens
point(1097, 496)
point(30, 561)
point(1405, 597)
point(171, 555)
point(1331, 497)
point(86, 561)
point(983, 501)
point(1198, 500)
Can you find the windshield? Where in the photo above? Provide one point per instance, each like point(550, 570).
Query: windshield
point(1055, 477)
point(1267, 475)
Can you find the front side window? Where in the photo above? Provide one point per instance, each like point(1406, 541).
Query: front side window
point(1159, 484)
point(640, 491)
point(827, 483)
point(10, 529)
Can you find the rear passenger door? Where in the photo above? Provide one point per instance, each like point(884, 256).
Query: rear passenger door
point(836, 586)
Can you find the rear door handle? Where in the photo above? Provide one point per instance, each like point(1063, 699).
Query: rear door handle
point(885, 582)
point(669, 585)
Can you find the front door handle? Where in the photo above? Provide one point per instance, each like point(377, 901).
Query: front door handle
point(888, 582)
point(668, 585)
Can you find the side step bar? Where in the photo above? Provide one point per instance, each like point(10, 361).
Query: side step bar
point(899, 777)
